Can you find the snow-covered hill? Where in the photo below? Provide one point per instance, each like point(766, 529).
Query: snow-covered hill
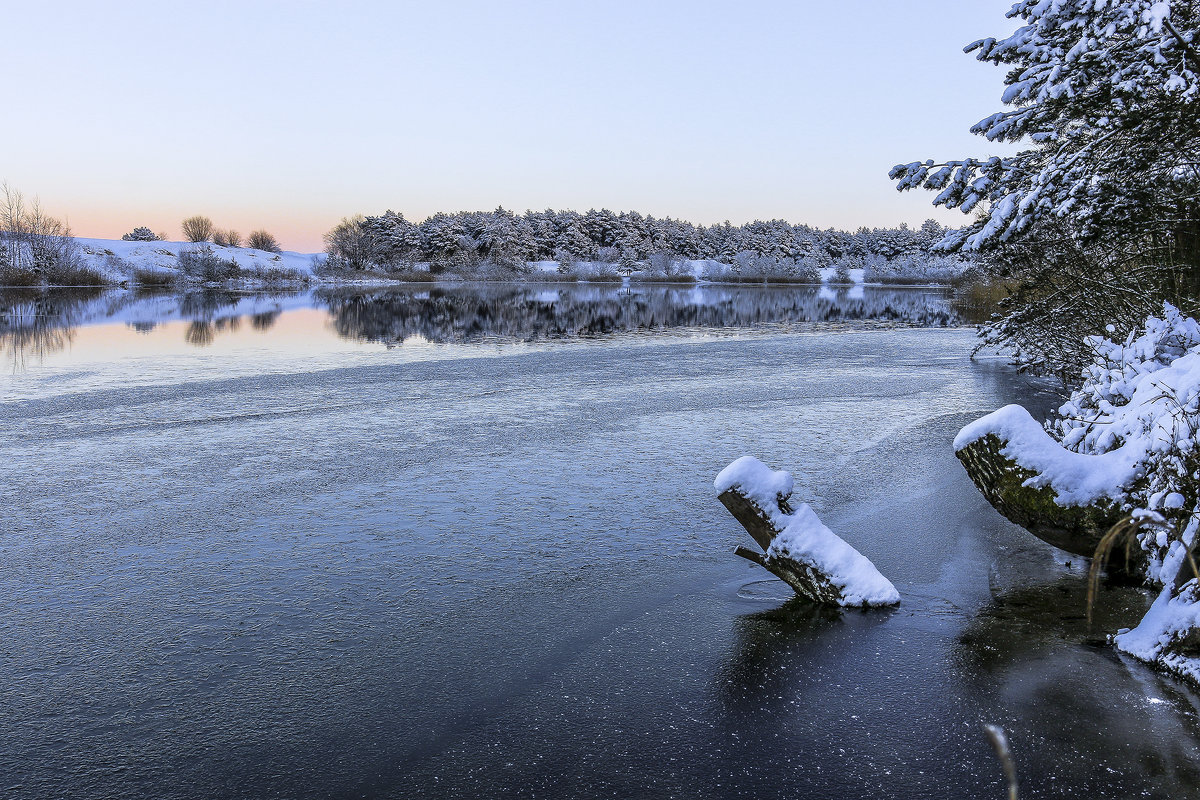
point(118, 260)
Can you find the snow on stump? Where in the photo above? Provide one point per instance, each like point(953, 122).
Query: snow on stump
point(1067, 499)
point(797, 547)
point(1125, 450)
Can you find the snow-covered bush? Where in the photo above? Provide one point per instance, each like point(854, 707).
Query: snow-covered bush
point(140, 234)
point(1141, 397)
point(203, 264)
point(909, 269)
point(1125, 444)
point(36, 247)
point(603, 271)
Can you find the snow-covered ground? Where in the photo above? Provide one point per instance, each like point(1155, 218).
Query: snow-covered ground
point(117, 259)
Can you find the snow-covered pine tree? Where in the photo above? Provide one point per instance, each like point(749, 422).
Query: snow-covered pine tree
point(1097, 219)
point(140, 234)
point(1108, 95)
point(393, 239)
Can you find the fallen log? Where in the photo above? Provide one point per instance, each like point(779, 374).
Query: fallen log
point(1005, 484)
point(1033, 494)
point(797, 547)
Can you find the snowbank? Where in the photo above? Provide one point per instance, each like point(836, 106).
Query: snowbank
point(803, 538)
point(117, 259)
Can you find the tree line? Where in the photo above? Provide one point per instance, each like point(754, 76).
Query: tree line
point(500, 240)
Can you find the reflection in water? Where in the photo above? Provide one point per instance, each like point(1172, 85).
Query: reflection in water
point(1032, 649)
point(33, 324)
point(525, 313)
point(263, 321)
point(764, 642)
point(37, 323)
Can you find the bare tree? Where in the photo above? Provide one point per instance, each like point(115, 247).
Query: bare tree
point(227, 238)
point(261, 240)
point(197, 229)
point(31, 239)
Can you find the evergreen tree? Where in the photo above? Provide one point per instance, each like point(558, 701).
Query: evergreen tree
point(1097, 219)
point(1108, 93)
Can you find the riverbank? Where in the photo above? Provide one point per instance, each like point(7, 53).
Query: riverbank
point(115, 262)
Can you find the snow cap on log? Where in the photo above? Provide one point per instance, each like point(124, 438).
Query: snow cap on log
point(799, 548)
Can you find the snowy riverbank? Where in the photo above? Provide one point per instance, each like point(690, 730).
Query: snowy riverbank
point(117, 261)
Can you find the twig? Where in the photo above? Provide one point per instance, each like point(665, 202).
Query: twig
point(999, 742)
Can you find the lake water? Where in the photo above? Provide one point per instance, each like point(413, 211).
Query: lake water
point(463, 542)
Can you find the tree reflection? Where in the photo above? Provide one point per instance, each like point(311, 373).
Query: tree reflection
point(209, 313)
point(200, 333)
point(529, 313)
point(35, 323)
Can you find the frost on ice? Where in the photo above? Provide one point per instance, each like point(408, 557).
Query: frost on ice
point(798, 547)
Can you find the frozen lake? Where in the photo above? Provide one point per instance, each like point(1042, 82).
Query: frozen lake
point(414, 543)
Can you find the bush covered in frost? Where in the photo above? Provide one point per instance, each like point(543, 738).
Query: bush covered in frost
point(1142, 395)
point(140, 234)
point(203, 264)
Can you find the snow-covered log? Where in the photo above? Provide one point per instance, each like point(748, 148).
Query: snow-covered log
point(797, 547)
point(1064, 498)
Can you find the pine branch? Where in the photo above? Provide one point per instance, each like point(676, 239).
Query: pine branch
point(1185, 44)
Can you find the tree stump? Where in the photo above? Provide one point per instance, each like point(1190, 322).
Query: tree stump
point(797, 548)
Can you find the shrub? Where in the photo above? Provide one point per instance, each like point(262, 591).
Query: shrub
point(598, 271)
point(261, 240)
point(11, 277)
point(74, 274)
point(35, 246)
point(141, 234)
point(197, 229)
point(275, 275)
point(153, 278)
point(205, 265)
point(227, 238)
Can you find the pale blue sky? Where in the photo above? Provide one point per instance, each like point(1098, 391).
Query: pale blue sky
point(292, 115)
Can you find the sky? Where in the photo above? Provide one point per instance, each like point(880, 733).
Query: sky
point(290, 116)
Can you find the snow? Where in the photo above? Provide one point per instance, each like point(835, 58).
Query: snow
point(804, 538)
point(117, 259)
point(765, 486)
point(1174, 615)
point(1130, 433)
point(1077, 479)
